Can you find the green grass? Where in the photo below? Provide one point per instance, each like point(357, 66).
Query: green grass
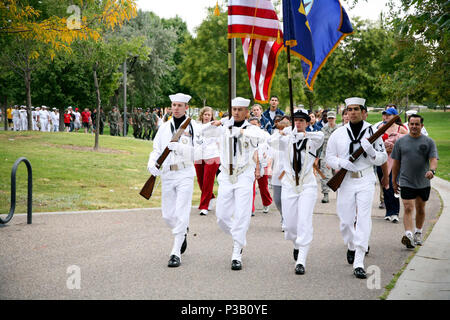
point(69, 176)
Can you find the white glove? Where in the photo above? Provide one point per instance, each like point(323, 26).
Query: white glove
point(235, 132)
point(227, 122)
point(368, 148)
point(297, 136)
point(154, 171)
point(174, 146)
point(346, 164)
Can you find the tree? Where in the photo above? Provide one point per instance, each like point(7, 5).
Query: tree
point(33, 29)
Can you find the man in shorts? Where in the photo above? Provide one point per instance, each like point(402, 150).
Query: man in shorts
point(415, 161)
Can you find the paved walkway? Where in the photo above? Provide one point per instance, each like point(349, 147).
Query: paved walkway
point(123, 254)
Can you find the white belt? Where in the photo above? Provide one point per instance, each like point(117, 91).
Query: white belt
point(236, 172)
point(179, 166)
point(362, 173)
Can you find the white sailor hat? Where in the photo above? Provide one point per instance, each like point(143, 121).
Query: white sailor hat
point(180, 97)
point(410, 112)
point(355, 100)
point(240, 102)
point(44, 107)
point(54, 108)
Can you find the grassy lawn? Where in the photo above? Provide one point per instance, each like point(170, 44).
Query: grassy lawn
point(69, 176)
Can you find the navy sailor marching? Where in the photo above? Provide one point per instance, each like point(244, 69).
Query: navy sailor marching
point(298, 201)
point(235, 193)
point(177, 174)
point(355, 195)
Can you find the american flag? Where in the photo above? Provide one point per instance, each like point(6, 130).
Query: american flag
point(256, 23)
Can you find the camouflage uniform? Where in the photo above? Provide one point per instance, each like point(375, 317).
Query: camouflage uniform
point(134, 119)
point(112, 123)
point(146, 125)
point(140, 121)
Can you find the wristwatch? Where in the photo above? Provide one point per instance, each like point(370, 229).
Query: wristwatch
point(434, 172)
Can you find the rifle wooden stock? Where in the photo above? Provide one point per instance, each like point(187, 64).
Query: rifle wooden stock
point(335, 182)
point(147, 189)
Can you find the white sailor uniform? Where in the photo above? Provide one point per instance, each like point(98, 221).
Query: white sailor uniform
point(235, 193)
point(177, 178)
point(355, 195)
point(298, 201)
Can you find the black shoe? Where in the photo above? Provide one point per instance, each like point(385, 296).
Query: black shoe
point(350, 256)
point(174, 261)
point(295, 253)
point(368, 249)
point(360, 273)
point(236, 265)
point(299, 269)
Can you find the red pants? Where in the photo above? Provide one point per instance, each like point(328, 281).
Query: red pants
point(266, 198)
point(206, 173)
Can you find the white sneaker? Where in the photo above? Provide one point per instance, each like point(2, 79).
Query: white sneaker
point(266, 209)
point(394, 218)
point(388, 218)
point(408, 241)
point(203, 212)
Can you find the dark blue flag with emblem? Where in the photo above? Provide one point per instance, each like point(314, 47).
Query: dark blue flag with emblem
point(314, 29)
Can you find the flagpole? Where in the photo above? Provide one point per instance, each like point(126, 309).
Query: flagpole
point(230, 98)
point(291, 100)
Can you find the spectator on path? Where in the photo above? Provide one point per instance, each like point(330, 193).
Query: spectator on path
point(86, 119)
point(262, 172)
point(280, 123)
point(67, 120)
point(391, 202)
point(72, 119)
point(312, 126)
point(77, 121)
point(345, 117)
point(206, 166)
point(322, 119)
point(415, 162)
point(273, 111)
point(409, 113)
point(257, 111)
point(168, 114)
point(10, 118)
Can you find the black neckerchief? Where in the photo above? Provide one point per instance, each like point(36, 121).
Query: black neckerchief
point(299, 146)
point(178, 121)
point(238, 124)
point(357, 133)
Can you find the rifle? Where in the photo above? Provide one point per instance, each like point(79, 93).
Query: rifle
point(147, 189)
point(335, 182)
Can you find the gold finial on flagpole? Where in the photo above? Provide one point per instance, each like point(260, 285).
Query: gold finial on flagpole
point(216, 9)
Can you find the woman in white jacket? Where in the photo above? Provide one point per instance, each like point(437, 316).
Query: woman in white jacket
point(208, 163)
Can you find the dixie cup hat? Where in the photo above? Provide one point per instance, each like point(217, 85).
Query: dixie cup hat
point(180, 97)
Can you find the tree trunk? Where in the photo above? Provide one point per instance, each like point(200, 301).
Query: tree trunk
point(97, 119)
point(5, 116)
point(27, 78)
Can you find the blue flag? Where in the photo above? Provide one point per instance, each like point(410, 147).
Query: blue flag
point(314, 29)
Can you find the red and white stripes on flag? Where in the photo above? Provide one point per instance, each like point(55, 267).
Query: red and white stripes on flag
point(256, 19)
point(262, 62)
point(256, 23)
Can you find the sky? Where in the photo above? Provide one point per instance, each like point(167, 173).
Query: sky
point(194, 11)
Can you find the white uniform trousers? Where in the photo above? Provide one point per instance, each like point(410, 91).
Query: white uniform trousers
point(297, 216)
point(35, 127)
point(56, 127)
point(17, 124)
point(24, 124)
point(44, 125)
point(354, 202)
point(234, 206)
point(176, 202)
